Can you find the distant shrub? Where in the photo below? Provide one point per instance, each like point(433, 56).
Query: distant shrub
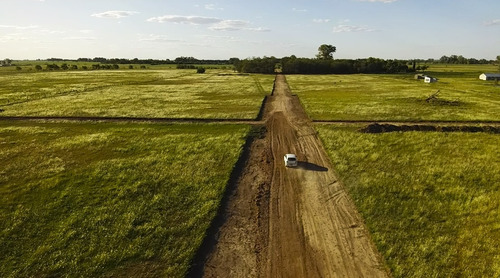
point(200, 70)
point(185, 66)
point(52, 67)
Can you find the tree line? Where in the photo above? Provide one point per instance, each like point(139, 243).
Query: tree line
point(459, 59)
point(322, 64)
point(294, 65)
point(136, 61)
point(325, 64)
point(65, 66)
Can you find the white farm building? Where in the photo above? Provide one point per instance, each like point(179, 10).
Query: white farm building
point(489, 76)
point(430, 79)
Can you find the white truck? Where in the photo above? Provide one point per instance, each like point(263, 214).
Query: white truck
point(290, 160)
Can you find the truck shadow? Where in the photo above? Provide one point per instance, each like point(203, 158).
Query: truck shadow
point(311, 166)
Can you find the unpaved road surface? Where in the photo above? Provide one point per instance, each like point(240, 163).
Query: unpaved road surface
point(291, 222)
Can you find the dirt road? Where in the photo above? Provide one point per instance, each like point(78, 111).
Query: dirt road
point(291, 222)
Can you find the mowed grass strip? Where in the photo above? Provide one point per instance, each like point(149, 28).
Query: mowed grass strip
point(156, 94)
point(371, 97)
point(430, 200)
point(109, 199)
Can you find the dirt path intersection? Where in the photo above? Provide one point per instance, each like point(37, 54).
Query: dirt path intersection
point(291, 222)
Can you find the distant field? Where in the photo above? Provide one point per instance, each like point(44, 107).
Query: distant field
point(430, 200)
point(462, 96)
point(134, 93)
point(109, 199)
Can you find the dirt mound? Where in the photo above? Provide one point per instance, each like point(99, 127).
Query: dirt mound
point(382, 128)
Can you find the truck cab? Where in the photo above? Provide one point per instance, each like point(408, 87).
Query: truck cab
point(290, 160)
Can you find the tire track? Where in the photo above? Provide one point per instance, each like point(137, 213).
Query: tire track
point(291, 222)
point(317, 231)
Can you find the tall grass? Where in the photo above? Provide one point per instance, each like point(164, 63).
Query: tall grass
point(462, 96)
point(141, 93)
point(109, 199)
point(430, 200)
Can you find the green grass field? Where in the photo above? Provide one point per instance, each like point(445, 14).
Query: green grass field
point(109, 199)
point(462, 97)
point(134, 93)
point(135, 199)
point(430, 200)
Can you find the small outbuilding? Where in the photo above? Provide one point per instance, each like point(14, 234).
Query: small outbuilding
point(490, 76)
point(430, 79)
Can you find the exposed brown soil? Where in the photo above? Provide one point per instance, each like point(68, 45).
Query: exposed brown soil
point(291, 222)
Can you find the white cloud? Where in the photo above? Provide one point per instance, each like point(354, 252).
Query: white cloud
point(195, 20)
point(216, 24)
point(13, 37)
point(299, 10)
point(212, 7)
point(236, 25)
point(319, 20)
point(212, 37)
point(52, 32)
point(259, 29)
point(19, 27)
point(230, 25)
point(492, 22)
point(114, 14)
point(157, 38)
point(351, 28)
point(76, 38)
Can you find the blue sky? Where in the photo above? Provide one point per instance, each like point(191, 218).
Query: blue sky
point(221, 29)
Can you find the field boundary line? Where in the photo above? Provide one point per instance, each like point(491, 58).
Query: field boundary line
point(210, 240)
point(257, 121)
point(130, 119)
point(333, 122)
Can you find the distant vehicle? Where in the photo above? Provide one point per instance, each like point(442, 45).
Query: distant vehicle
point(290, 160)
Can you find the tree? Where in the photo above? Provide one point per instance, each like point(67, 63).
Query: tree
point(235, 62)
point(325, 51)
point(498, 61)
point(6, 62)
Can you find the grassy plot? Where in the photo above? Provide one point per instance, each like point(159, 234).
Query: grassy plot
point(21, 87)
point(430, 200)
point(87, 200)
point(462, 96)
point(158, 94)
